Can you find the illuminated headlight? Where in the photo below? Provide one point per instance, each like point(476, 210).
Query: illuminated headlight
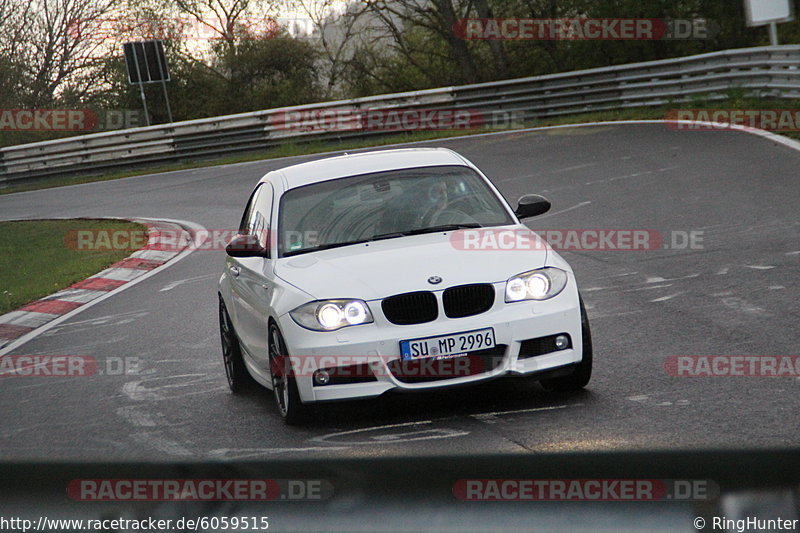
point(330, 315)
point(538, 284)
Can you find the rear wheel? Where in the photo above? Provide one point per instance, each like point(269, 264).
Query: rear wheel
point(239, 378)
point(284, 385)
point(582, 373)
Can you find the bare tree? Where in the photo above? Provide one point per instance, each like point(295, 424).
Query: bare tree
point(496, 47)
point(12, 13)
point(52, 50)
point(11, 73)
point(435, 16)
point(230, 20)
point(337, 34)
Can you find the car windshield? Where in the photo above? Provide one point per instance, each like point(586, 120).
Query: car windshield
point(386, 205)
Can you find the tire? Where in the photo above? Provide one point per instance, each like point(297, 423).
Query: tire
point(239, 379)
point(582, 373)
point(284, 386)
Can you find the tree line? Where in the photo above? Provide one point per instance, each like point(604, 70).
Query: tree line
point(233, 56)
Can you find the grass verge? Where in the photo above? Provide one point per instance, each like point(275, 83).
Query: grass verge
point(35, 260)
point(736, 99)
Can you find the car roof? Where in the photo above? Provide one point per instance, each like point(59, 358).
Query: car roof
point(364, 163)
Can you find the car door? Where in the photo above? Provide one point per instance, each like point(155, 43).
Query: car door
point(253, 279)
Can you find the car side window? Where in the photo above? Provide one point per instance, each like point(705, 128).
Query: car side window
point(244, 224)
point(259, 218)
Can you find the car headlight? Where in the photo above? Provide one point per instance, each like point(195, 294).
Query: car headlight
point(540, 284)
point(330, 315)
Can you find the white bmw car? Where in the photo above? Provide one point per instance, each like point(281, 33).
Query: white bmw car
point(360, 274)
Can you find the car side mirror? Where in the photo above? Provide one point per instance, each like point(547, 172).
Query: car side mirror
point(532, 205)
point(245, 245)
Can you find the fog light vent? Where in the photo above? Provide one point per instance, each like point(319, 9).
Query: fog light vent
point(322, 377)
point(562, 342)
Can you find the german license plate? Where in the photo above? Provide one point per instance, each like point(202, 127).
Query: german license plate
point(448, 345)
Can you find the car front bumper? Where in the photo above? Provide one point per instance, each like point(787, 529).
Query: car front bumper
point(378, 345)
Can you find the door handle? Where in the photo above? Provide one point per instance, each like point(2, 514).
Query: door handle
point(234, 270)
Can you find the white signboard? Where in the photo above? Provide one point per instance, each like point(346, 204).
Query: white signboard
point(762, 12)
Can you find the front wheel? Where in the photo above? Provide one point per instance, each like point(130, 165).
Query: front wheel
point(582, 373)
point(239, 378)
point(284, 385)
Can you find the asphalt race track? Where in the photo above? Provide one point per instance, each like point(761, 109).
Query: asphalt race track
point(737, 295)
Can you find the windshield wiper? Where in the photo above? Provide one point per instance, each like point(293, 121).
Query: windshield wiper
point(324, 247)
point(420, 231)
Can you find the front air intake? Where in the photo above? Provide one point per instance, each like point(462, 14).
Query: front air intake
point(467, 300)
point(411, 308)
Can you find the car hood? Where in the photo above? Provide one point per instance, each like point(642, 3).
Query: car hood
point(378, 269)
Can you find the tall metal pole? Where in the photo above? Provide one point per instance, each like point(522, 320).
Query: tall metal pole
point(144, 103)
point(773, 33)
point(166, 99)
point(141, 85)
point(162, 73)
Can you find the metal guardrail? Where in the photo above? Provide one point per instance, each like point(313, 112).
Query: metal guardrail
point(772, 71)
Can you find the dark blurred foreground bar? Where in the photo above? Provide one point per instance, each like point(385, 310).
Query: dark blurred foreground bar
point(417, 493)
